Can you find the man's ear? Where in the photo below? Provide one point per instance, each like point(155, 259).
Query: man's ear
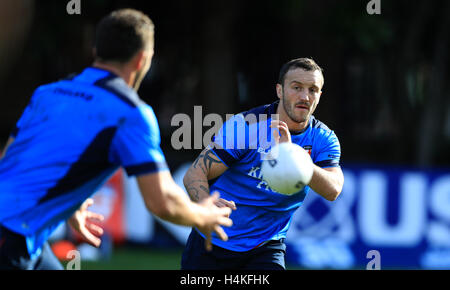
point(279, 89)
point(139, 59)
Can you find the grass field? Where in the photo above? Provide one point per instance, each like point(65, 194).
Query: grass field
point(138, 258)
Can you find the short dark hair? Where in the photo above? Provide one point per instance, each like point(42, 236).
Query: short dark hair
point(122, 33)
point(308, 64)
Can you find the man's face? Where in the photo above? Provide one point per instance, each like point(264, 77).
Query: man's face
point(300, 93)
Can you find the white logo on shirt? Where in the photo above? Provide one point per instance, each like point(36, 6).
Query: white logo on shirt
point(255, 172)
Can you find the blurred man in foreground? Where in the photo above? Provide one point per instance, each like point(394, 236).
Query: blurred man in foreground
point(73, 136)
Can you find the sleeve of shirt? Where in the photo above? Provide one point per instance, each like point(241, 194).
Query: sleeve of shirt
point(230, 143)
point(328, 153)
point(136, 144)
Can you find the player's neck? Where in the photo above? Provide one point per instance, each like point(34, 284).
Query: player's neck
point(120, 70)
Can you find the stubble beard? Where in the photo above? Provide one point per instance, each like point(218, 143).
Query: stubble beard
point(289, 108)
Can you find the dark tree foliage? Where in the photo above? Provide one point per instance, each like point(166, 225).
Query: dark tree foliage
point(386, 90)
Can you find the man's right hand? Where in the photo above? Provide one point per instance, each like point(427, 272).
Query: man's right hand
point(226, 203)
point(213, 218)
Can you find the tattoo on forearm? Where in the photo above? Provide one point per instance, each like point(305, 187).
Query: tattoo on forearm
point(205, 160)
point(194, 191)
point(204, 189)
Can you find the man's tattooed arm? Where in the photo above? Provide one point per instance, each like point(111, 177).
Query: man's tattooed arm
point(207, 166)
point(205, 160)
point(197, 189)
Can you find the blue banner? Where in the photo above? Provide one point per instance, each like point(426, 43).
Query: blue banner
point(398, 216)
point(385, 217)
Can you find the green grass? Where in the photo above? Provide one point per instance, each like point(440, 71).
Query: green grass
point(142, 258)
point(137, 259)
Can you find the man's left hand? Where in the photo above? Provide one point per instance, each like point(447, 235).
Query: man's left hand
point(81, 222)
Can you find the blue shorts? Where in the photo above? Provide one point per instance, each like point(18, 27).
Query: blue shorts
point(14, 254)
point(269, 256)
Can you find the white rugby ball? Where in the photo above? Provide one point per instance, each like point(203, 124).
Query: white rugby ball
point(287, 168)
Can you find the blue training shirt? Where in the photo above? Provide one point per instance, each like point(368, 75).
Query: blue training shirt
point(262, 214)
point(72, 136)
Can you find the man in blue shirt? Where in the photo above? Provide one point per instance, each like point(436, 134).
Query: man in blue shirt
point(231, 165)
point(72, 137)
